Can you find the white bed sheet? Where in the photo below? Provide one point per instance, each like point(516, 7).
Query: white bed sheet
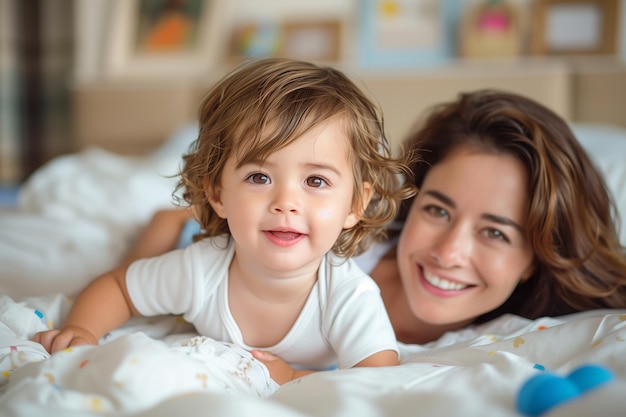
point(78, 215)
point(141, 370)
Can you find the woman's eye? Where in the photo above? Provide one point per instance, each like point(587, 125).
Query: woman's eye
point(258, 178)
point(316, 182)
point(437, 211)
point(495, 234)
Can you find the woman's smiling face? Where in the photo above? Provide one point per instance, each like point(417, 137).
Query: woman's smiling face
point(463, 248)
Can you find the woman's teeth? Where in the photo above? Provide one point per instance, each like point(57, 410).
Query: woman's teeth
point(443, 284)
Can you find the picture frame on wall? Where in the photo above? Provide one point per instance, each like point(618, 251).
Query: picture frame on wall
point(574, 27)
point(311, 40)
point(254, 39)
point(406, 33)
point(491, 30)
point(163, 37)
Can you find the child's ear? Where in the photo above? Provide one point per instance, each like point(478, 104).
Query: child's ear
point(214, 196)
point(357, 212)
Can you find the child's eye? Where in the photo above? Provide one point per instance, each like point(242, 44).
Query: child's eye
point(258, 178)
point(316, 182)
point(436, 211)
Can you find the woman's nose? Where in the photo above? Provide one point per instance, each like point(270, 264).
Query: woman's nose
point(453, 248)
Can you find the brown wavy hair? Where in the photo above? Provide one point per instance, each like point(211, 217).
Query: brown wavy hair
point(572, 221)
point(262, 106)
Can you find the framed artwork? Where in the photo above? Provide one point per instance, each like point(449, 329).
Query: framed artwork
point(311, 40)
point(159, 37)
point(491, 29)
point(254, 40)
point(575, 27)
point(406, 33)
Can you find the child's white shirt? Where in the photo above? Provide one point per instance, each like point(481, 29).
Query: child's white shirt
point(343, 321)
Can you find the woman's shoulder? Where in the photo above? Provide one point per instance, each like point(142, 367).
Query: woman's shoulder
point(369, 259)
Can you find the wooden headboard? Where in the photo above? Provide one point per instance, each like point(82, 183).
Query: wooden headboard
point(136, 117)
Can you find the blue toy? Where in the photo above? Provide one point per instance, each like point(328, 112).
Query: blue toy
point(547, 390)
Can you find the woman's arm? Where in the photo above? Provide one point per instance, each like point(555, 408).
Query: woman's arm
point(160, 235)
point(102, 306)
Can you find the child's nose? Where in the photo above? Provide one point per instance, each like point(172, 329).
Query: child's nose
point(285, 200)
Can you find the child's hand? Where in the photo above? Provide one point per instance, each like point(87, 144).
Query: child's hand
point(280, 371)
point(56, 340)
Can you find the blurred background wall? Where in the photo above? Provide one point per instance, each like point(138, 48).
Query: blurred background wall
point(65, 65)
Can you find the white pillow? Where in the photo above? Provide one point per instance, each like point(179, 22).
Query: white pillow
point(606, 146)
point(78, 214)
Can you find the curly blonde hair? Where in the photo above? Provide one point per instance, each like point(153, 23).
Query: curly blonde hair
point(263, 106)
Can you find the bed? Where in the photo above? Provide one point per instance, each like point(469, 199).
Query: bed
point(79, 213)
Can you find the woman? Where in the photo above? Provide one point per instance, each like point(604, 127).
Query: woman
point(511, 217)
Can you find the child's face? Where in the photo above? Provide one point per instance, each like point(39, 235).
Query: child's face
point(463, 249)
point(286, 212)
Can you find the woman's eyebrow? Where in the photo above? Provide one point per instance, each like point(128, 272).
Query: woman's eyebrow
point(502, 220)
point(441, 197)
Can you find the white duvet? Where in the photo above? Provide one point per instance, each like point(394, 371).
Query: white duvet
point(78, 214)
point(155, 367)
